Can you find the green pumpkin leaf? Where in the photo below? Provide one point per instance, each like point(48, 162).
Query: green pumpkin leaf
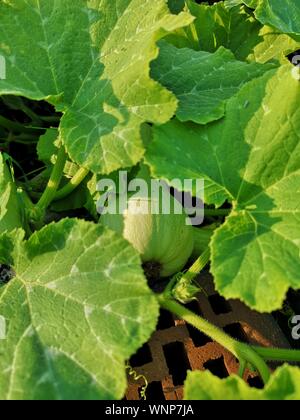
point(235, 29)
point(273, 46)
point(102, 83)
point(283, 385)
point(10, 211)
point(47, 146)
point(202, 81)
point(252, 159)
point(250, 3)
point(284, 17)
point(75, 311)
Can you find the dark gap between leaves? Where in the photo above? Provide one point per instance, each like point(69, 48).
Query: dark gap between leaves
point(217, 367)
point(155, 392)
point(22, 143)
point(219, 305)
point(194, 307)
point(210, 2)
point(199, 338)
point(293, 298)
point(142, 357)
point(177, 362)
point(12, 107)
point(256, 383)
point(165, 320)
point(236, 331)
point(6, 274)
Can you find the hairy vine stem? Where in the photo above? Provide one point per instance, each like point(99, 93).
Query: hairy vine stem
point(198, 266)
point(242, 351)
point(247, 355)
point(274, 354)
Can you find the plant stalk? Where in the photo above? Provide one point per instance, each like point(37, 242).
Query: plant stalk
point(274, 354)
point(55, 179)
point(198, 266)
point(74, 183)
point(15, 126)
point(242, 369)
point(242, 351)
point(202, 238)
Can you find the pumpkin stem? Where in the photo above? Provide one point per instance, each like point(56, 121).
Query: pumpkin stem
point(242, 351)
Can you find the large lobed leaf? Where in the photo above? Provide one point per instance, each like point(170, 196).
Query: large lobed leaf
point(282, 16)
point(90, 59)
point(271, 12)
point(236, 29)
point(283, 385)
point(252, 159)
point(202, 81)
point(77, 308)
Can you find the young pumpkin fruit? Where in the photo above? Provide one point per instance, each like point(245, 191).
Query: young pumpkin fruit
point(164, 241)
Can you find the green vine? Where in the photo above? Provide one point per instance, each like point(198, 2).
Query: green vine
point(136, 377)
point(251, 356)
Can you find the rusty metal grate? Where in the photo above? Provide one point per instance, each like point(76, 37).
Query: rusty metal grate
point(176, 347)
